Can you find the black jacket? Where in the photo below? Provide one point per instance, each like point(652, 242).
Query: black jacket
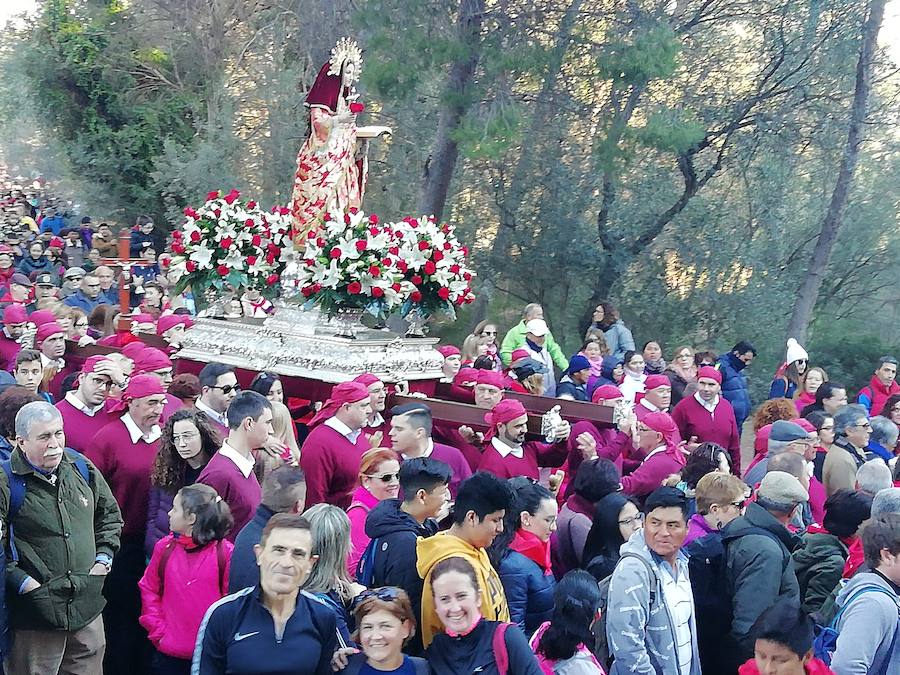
point(465, 654)
point(244, 571)
point(357, 661)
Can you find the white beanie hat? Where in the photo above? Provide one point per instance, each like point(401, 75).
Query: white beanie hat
point(795, 352)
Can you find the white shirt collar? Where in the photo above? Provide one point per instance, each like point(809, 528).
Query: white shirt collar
point(209, 412)
point(46, 362)
point(80, 405)
point(429, 448)
point(649, 406)
point(377, 422)
point(136, 434)
point(244, 464)
point(711, 406)
point(507, 450)
point(655, 451)
point(343, 429)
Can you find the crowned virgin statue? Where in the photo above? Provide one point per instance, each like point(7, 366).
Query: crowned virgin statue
point(331, 173)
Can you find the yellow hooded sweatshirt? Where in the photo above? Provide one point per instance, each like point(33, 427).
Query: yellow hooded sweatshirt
point(432, 550)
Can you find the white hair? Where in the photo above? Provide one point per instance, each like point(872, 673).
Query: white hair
point(873, 477)
point(36, 412)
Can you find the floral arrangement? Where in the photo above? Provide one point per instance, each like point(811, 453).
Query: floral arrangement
point(230, 241)
point(357, 262)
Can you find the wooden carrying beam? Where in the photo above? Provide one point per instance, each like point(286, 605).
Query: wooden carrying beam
point(463, 414)
point(572, 411)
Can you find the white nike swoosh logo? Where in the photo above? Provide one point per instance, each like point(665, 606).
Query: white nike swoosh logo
point(238, 636)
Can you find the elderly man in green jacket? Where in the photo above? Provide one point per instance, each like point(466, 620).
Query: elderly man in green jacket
point(62, 526)
point(515, 338)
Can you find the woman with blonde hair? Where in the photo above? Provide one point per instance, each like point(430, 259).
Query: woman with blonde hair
point(721, 498)
point(682, 371)
point(328, 580)
point(472, 348)
point(379, 479)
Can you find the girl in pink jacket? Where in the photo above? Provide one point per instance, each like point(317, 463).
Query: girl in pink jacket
point(187, 573)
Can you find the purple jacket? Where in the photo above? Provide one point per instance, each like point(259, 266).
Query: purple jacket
point(157, 517)
point(697, 527)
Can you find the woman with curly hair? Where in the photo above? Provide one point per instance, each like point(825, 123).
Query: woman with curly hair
point(188, 441)
point(767, 414)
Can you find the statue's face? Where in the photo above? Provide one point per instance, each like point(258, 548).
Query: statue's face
point(349, 73)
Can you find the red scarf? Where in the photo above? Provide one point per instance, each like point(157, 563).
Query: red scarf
point(531, 546)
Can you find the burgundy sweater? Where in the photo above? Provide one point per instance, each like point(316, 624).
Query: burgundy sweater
point(458, 465)
point(126, 466)
point(331, 464)
point(535, 455)
point(9, 350)
point(241, 494)
point(81, 428)
point(720, 427)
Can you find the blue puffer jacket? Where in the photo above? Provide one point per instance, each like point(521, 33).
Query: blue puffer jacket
point(529, 592)
point(734, 386)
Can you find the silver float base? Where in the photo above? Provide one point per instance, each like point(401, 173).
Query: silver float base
point(301, 343)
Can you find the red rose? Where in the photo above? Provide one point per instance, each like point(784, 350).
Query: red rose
point(222, 270)
point(190, 213)
point(195, 236)
point(416, 279)
point(375, 270)
point(467, 276)
point(424, 246)
point(402, 266)
point(251, 260)
point(430, 267)
point(353, 210)
point(373, 219)
point(445, 228)
point(374, 231)
point(320, 242)
point(307, 291)
point(437, 256)
point(217, 212)
point(232, 196)
point(191, 266)
point(177, 235)
point(310, 261)
point(272, 248)
point(251, 205)
point(377, 292)
point(256, 240)
point(354, 288)
point(165, 262)
point(394, 250)
point(396, 287)
point(357, 107)
point(226, 243)
point(284, 210)
point(465, 250)
point(335, 253)
point(413, 223)
point(249, 222)
point(415, 296)
point(177, 247)
point(212, 195)
point(454, 269)
point(317, 288)
point(447, 246)
point(443, 293)
point(270, 258)
point(361, 245)
point(346, 219)
point(272, 279)
point(387, 262)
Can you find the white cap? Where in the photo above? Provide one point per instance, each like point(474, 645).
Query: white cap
point(795, 352)
point(537, 327)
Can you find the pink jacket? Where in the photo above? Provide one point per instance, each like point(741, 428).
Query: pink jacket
point(191, 585)
point(363, 502)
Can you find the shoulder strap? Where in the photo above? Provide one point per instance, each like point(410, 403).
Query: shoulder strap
point(501, 652)
point(163, 561)
point(862, 590)
point(16, 497)
point(80, 465)
point(654, 580)
point(221, 563)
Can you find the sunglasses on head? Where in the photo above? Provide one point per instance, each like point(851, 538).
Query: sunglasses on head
point(228, 388)
point(386, 594)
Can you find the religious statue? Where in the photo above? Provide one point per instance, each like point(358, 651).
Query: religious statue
point(331, 173)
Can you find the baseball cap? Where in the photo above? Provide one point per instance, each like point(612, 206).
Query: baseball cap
point(537, 327)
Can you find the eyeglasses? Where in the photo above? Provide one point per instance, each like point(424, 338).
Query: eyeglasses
point(186, 437)
point(228, 388)
point(386, 594)
point(866, 426)
point(387, 477)
point(739, 505)
point(639, 518)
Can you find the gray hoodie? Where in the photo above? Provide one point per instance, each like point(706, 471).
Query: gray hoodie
point(641, 636)
point(869, 630)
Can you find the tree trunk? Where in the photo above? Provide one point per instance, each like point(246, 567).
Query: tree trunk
point(808, 294)
point(456, 102)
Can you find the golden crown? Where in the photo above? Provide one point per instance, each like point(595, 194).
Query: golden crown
point(346, 50)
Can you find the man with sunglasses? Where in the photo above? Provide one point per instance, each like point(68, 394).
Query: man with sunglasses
point(218, 386)
point(84, 409)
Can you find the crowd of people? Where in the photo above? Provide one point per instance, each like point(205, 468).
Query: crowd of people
point(158, 521)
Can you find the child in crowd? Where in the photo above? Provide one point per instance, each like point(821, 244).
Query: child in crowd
point(187, 573)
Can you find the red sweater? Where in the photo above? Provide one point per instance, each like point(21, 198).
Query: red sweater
point(126, 466)
point(9, 350)
point(446, 433)
point(720, 427)
point(650, 474)
point(535, 455)
point(81, 428)
point(331, 464)
point(241, 494)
